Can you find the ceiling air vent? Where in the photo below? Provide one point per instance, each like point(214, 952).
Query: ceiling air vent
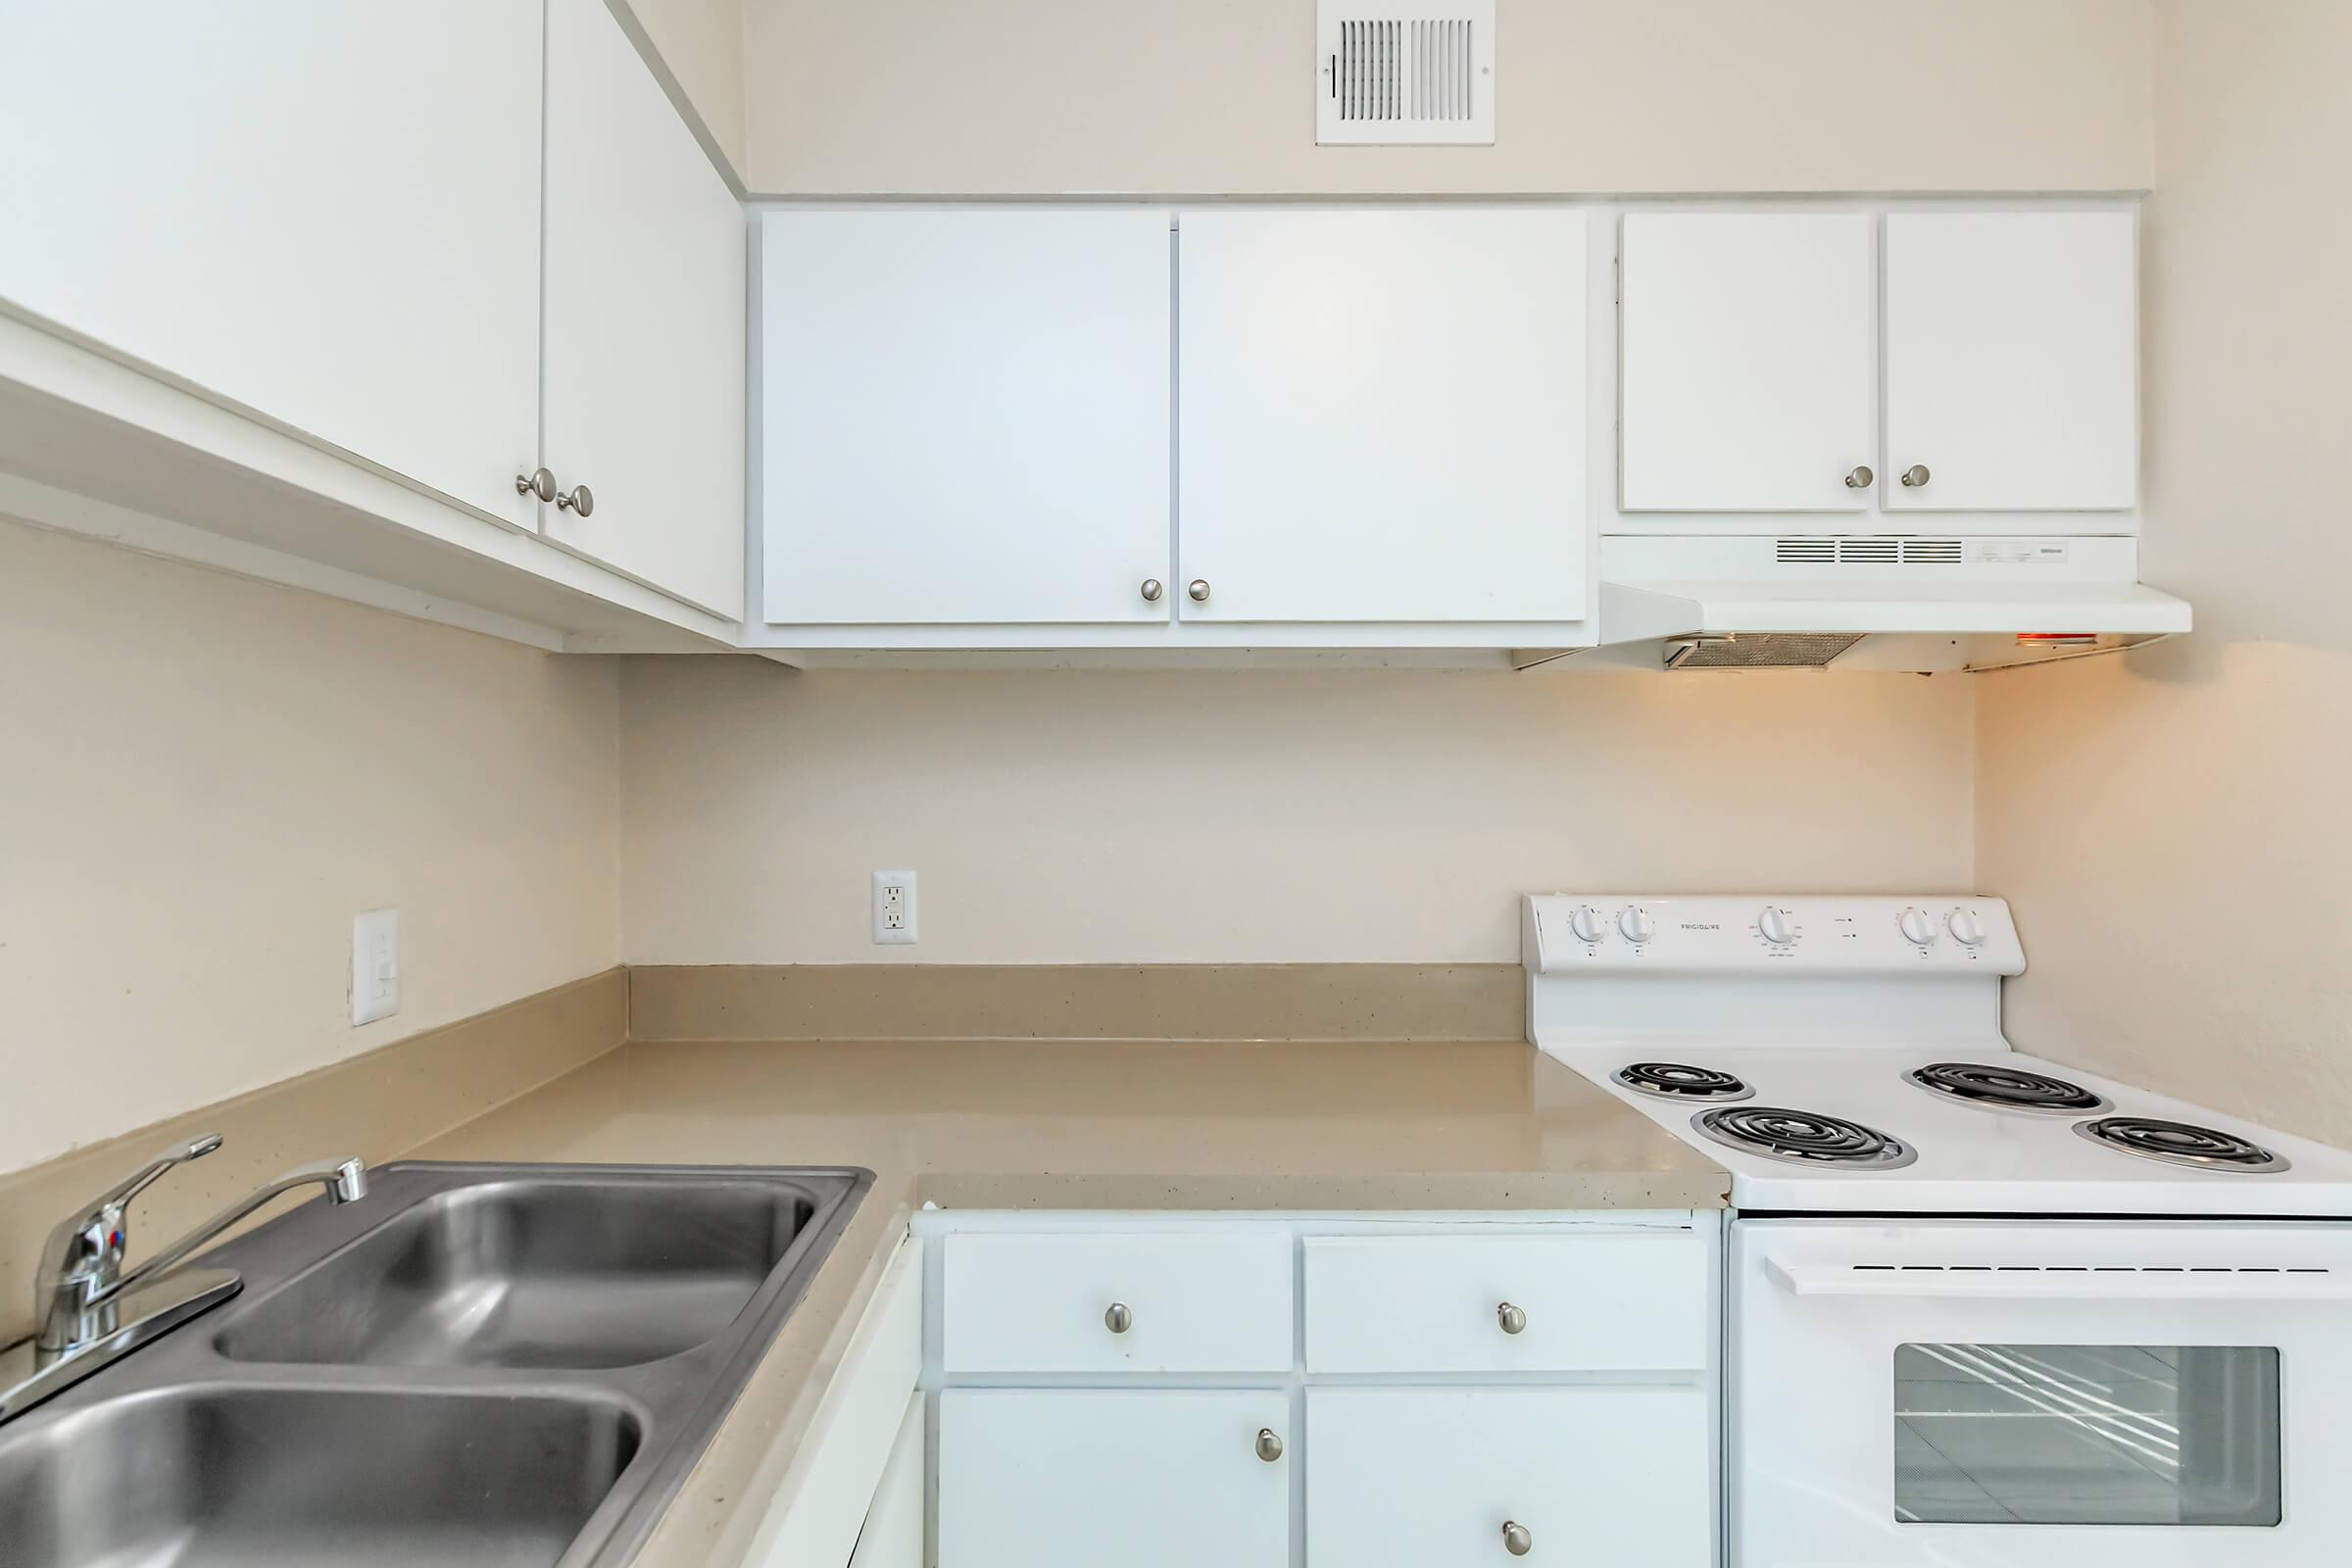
point(1404, 72)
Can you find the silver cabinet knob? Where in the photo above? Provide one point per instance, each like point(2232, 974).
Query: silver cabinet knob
point(1513, 1321)
point(1515, 1539)
point(578, 500)
point(538, 482)
point(1860, 479)
point(1119, 1320)
point(1914, 476)
point(1151, 590)
point(1269, 1446)
point(1197, 590)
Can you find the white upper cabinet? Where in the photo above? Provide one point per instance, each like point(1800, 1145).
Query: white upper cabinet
point(646, 251)
point(1747, 359)
point(965, 416)
point(327, 213)
point(2012, 360)
point(1382, 415)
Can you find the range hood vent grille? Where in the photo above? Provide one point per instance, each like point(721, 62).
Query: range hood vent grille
point(1778, 650)
point(1859, 550)
point(1416, 71)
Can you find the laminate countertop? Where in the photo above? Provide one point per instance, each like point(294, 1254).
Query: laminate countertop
point(1044, 1124)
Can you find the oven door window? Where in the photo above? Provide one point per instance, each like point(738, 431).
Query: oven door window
point(2087, 1435)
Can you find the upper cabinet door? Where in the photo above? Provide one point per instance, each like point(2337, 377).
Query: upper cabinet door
point(1382, 415)
point(325, 213)
point(646, 252)
point(965, 415)
point(2012, 360)
point(1747, 359)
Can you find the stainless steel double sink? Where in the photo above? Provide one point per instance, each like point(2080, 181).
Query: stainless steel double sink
point(501, 1365)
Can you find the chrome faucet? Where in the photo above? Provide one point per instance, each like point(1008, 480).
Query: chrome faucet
point(78, 1289)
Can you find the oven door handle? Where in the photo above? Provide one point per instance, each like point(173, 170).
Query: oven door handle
point(2063, 1284)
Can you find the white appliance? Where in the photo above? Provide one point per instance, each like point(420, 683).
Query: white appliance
point(1902, 602)
point(1983, 1309)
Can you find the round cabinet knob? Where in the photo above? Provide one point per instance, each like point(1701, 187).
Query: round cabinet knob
point(1915, 476)
point(1860, 479)
point(1119, 1320)
point(1513, 1321)
point(1151, 590)
point(1269, 1445)
point(1197, 590)
point(538, 482)
point(1917, 928)
point(1636, 925)
point(580, 501)
point(1966, 928)
point(1585, 921)
point(1775, 926)
point(1515, 1539)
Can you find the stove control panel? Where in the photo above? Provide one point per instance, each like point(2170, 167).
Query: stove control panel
point(1629, 933)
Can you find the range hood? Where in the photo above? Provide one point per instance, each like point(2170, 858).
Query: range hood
point(1889, 602)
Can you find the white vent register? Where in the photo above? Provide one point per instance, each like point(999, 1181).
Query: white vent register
point(1405, 73)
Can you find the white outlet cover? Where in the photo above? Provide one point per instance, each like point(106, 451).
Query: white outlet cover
point(894, 918)
point(375, 966)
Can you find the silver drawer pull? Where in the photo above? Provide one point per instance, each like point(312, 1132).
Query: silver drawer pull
point(1515, 1539)
point(1269, 1446)
point(1119, 1320)
point(1513, 1321)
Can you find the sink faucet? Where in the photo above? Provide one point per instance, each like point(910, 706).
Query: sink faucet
point(81, 1278)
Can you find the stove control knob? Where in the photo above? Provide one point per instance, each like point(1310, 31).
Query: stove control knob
point(1918, 929)
point(1966, 928)
point(1775, 926)
point(1636, 925)
point(1585, 921)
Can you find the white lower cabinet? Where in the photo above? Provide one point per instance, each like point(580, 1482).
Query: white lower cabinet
point(892, 1535)
point(1113, 1478)
point(1128, 1390)
point(1430, 1478)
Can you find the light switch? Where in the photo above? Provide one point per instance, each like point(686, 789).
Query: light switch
point(375, 966)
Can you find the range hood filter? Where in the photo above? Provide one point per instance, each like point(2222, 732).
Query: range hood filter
point(1787, 649)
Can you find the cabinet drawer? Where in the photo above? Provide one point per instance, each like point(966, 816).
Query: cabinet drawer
point(1113, 1478)
point(1605, 1303)
point(1045, 1304)
point(1415, 1477)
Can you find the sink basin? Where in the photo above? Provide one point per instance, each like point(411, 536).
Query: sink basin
point(546, 1274)
point(254, 1476)
point(473, 1364)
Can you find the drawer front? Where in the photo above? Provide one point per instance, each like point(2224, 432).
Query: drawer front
point(1047, 1303)
point(1113, 1478)
point(1434, 1303)
point(1425, 1477)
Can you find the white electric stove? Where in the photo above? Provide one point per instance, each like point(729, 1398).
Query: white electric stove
point(1982, 1309)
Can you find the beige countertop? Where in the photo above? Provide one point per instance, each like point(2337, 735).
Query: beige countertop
point(1044, 1124)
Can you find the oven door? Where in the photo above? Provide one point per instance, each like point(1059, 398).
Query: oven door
point(2093, 1394)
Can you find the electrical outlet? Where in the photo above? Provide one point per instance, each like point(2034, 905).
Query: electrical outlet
point(375, 966)
point(894, 906)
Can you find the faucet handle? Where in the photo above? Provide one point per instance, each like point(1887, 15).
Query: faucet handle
point(91, 1239)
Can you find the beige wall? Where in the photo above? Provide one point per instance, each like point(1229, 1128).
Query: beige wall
point(1253, 817)
point(1216, 96)
point(2173, 826)
point(206, 778)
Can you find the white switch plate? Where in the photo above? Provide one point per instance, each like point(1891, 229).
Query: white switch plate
point(375, 966)
point(894, 906)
